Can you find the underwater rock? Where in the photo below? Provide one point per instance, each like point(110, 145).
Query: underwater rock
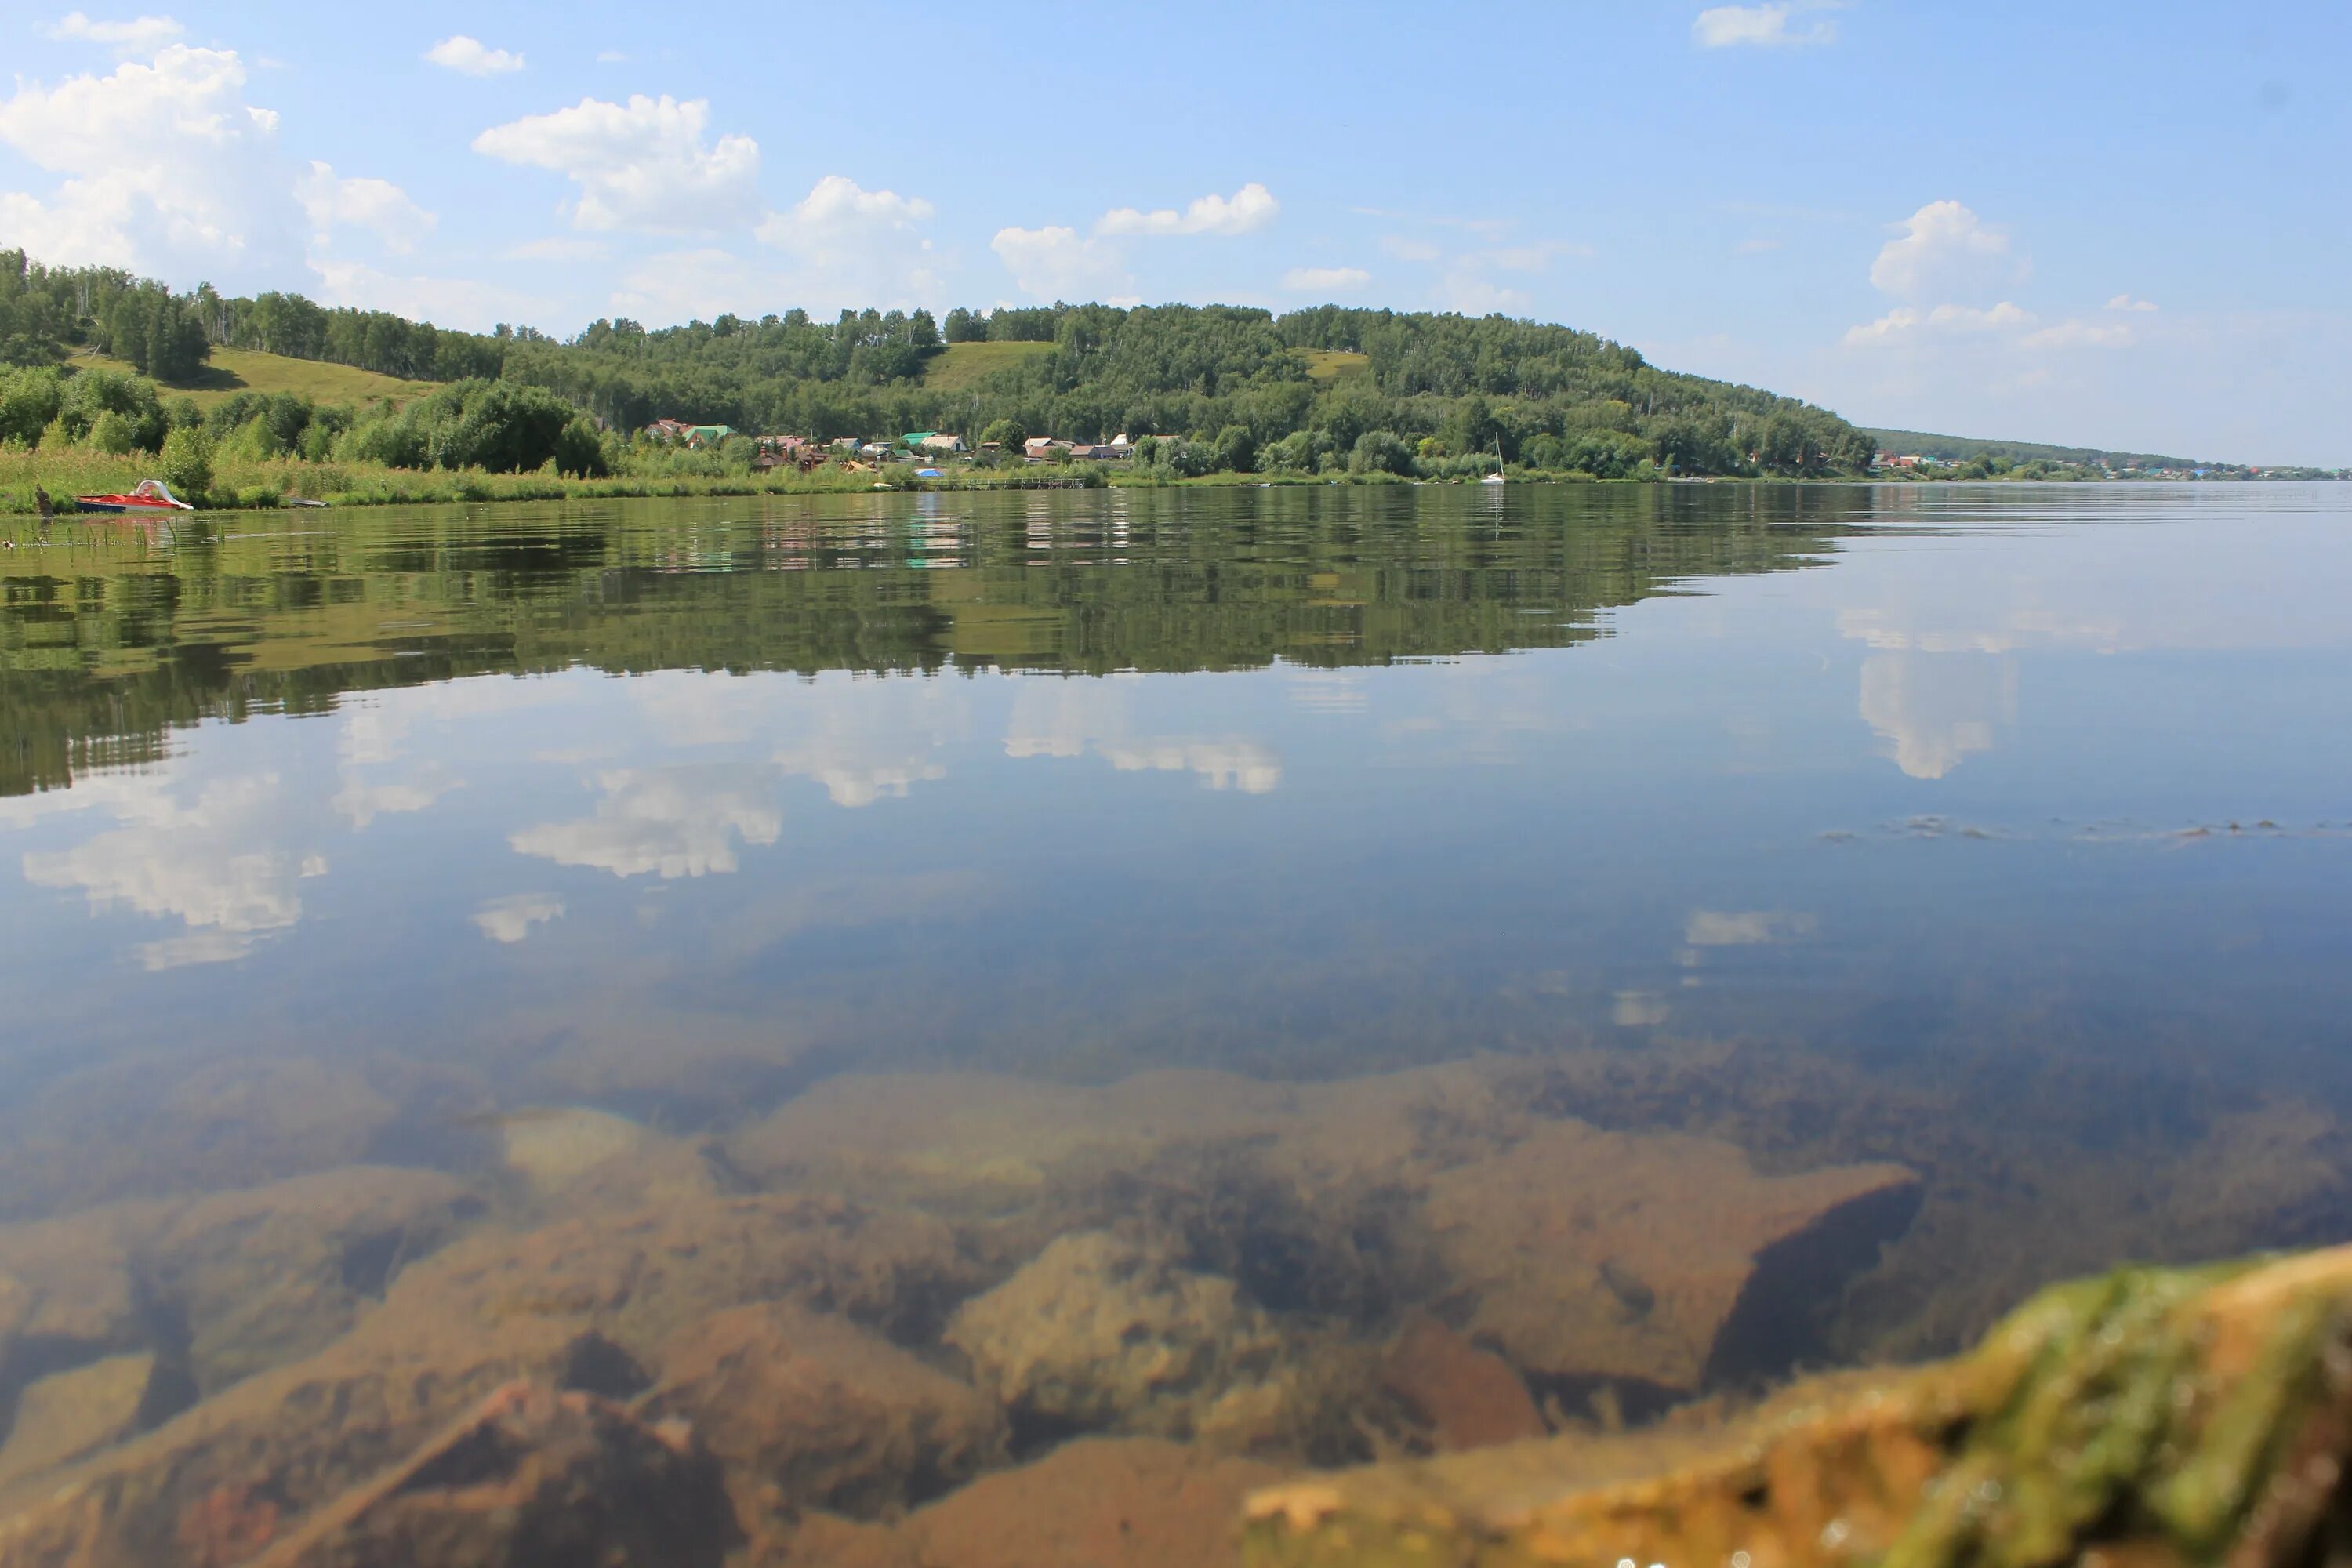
point(583, 1305)
point(1099, 1332)
point(1654, 1259)
point(1469, 1397)
point(578, 1159)
point(69, 1414)
point(270, 1275)
point(814, 1413)
point(227, 1284)
point(1100, 1502)
point(531, 1478)
point(2150, 1417)
point(640, 1276)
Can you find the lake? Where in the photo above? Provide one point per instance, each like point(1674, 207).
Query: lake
point(1667, 936)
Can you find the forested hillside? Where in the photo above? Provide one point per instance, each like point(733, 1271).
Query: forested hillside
point(1239, 384)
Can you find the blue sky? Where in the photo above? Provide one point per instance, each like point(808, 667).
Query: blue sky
point(2101, 223)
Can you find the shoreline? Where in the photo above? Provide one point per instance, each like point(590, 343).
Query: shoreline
point(351, 486)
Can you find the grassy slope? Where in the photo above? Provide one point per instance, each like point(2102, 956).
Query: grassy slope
point(964, 364)
point(233, 370)
point(1331, 364)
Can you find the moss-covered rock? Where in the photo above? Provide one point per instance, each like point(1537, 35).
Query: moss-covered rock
point(2150, 1417)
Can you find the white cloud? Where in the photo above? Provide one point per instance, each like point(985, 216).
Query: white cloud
point(1754, 247)
point(1244, 212)
point(1237, 765)
point(379, 206)
point(1931, 711)
point(165, 169)
point(510, 919)
point(140, 36)
point(1905, 322)
point(669, 822)
point(1405, 250)
point(1058, 264)
point(1061, 719)
point(696, 285)
point(462, 303)
point(1944, 252)
point(1325, 279)
point(471, 57)
point(1726, 27)
point(2077, 334)
point(196, 947)
point(853, 246)
point(646, 164)
point(210, 863)
point(2125, 302)
point(610, 57)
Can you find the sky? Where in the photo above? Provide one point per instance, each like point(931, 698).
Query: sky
point(2098, 222)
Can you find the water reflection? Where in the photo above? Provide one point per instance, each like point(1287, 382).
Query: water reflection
point(1297, 901)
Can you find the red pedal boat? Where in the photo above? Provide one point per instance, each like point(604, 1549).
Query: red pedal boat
point(147, 495)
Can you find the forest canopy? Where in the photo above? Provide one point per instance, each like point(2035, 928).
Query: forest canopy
point(1313, 390)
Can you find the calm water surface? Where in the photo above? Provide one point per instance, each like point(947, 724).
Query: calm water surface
point(2002, 832)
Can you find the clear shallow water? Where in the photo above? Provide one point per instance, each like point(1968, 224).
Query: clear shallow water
point(2004, 833)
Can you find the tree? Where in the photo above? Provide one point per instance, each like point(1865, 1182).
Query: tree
point(1380, 452)
point(1008, 434)
point(963, 326)
point(187, 462)
point(1236, 450)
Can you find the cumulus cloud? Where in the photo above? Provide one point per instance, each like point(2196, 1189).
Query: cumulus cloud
point(138, 35)
point(1946, 252)
point(1244, 212)
point(461, 302)
point(1932, 711)
point(164, 166)
point(646, 164)
point(510, 919)
point(850, 243)
point(1058, 263)
point(1765, 26)
point(216, 864)
point(2077, 334)
point(1325, 279)
point(667, 822)
point(471, 57)
point(1905, 322)
point(378, 206)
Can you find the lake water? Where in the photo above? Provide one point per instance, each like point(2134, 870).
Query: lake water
point(2000, 834)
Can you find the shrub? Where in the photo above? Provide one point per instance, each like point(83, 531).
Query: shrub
point(187, 462)
point(114, 433)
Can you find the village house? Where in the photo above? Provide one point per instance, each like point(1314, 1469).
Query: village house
point(678, 430)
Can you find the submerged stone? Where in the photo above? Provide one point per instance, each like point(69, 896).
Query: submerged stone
point(809, 1412)
point(1469, 1397)
point(1097, 1332)
point(1655, 1259)
point(531, 1478)
point(2150, 1417)
point(69, 1414)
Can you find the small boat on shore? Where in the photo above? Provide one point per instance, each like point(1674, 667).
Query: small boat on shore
point(147, 495)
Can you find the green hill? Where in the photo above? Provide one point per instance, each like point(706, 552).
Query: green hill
point(1410, 393)
point(1964, 449)
point(232, 371)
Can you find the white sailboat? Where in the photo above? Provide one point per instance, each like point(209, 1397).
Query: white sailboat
point(1496, 476)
